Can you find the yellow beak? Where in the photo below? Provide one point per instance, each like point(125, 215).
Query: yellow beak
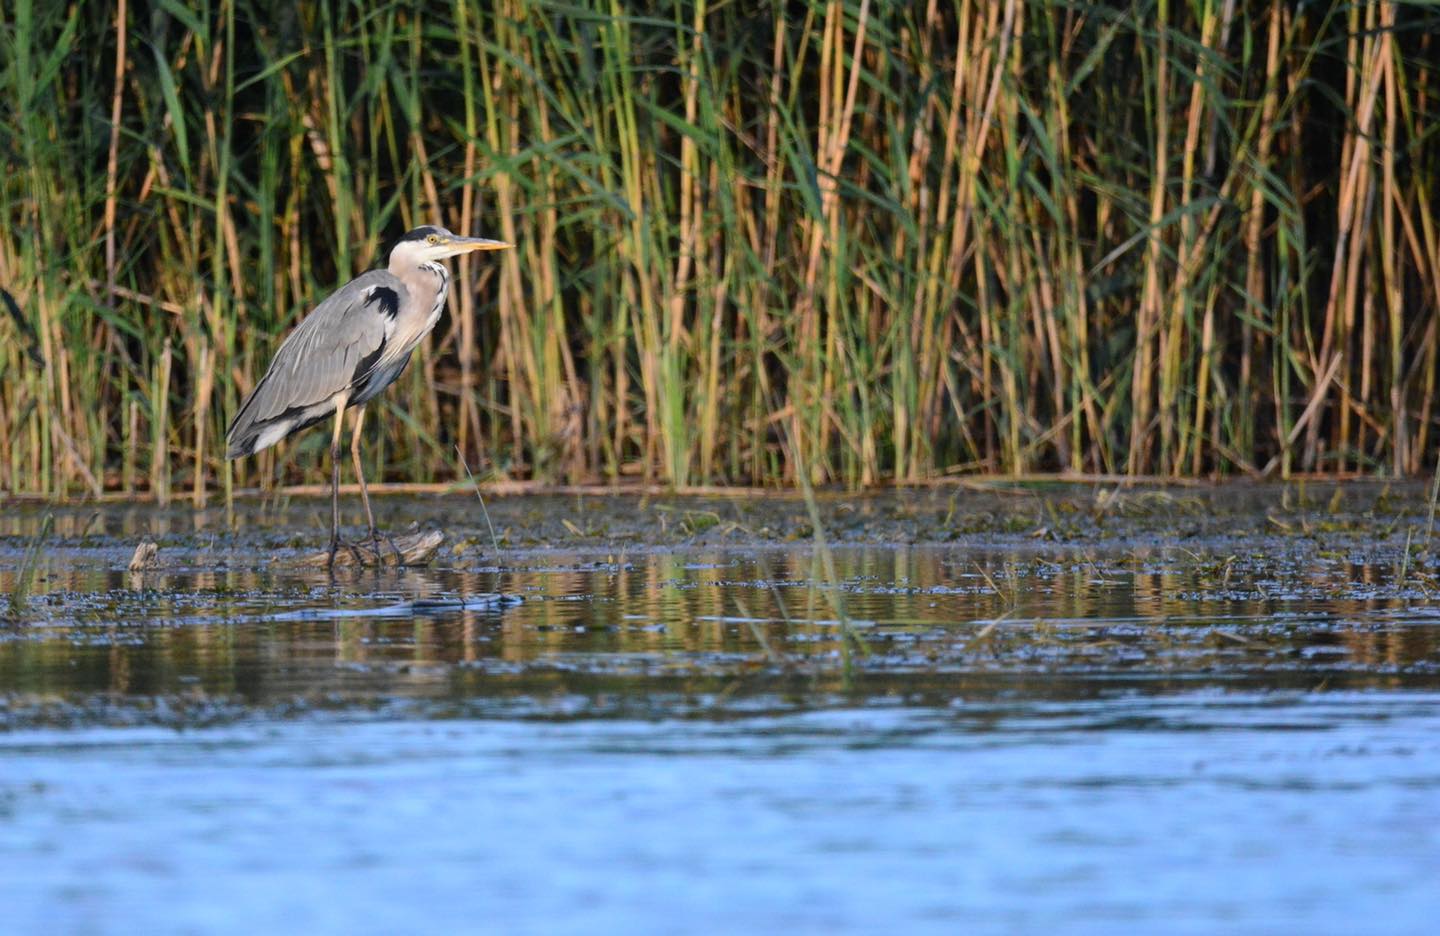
point(472, 244)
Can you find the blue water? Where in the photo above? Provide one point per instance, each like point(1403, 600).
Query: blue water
point(1197, 812)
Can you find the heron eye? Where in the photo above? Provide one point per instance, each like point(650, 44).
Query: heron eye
point(432, 239)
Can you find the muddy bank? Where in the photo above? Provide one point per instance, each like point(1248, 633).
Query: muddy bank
point(1335, 512)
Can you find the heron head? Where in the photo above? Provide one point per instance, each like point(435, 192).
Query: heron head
point(436, 243)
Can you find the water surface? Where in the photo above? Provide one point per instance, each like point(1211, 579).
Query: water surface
point(1074, 710)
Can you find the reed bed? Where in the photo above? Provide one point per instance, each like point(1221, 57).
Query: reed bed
point(873, 242)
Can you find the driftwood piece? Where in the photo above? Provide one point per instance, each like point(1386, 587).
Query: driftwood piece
point(147, 556)
point(414, 549)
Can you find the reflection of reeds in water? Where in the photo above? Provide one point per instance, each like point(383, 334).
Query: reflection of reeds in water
point(1145, 237)
point(652, 618)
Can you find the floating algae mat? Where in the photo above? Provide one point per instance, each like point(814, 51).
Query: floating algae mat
point(1003, 706)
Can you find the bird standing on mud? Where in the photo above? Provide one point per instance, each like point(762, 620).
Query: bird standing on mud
point(355, 344)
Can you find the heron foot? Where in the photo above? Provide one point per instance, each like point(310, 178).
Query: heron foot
point(373, 544)
point(354, 549)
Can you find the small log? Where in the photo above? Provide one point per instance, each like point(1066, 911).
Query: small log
point(147, 556)
point(415, 549)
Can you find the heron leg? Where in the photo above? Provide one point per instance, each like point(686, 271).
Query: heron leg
point(374, 540)
point(335, 490)
point(335, 484)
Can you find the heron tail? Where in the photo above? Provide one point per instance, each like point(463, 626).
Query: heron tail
point(248, 435)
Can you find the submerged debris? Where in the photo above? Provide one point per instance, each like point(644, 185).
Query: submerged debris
point(147, 556)
point(409, 549)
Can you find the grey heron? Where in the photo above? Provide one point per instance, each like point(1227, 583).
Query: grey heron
point(352, 346)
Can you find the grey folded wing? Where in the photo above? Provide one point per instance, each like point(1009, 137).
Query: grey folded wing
point(331, 352)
